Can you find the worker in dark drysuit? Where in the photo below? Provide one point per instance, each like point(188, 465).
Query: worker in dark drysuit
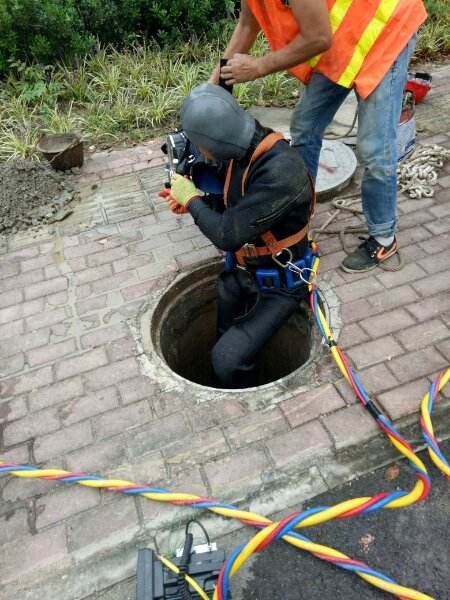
point(267, 193)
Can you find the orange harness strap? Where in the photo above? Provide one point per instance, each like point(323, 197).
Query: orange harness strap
point(272, 245)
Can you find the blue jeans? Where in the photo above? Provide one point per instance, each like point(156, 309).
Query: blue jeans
point(378, 120)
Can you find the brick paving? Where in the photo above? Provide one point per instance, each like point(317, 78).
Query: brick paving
point(74, 392)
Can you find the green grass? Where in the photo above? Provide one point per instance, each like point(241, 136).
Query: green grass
point(116, 97)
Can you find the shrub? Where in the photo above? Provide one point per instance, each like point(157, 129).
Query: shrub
point(46, 31)
point(41, 30)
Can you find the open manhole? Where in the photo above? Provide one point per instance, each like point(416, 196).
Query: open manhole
point(183, 332)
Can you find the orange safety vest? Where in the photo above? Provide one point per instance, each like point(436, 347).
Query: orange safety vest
point(368, 37)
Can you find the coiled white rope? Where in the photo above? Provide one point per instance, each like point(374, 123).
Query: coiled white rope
point(419, 173)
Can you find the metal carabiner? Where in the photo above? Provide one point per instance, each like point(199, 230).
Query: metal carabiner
point(278, 262)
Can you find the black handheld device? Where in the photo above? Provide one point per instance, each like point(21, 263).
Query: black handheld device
point(222, 83)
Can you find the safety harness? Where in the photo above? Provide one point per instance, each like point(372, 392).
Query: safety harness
point(270, 278)
point(272, 247)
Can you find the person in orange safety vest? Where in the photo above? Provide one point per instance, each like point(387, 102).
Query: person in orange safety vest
point(335, 46)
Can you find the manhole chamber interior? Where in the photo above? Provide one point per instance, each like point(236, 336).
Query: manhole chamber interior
point(183, 331)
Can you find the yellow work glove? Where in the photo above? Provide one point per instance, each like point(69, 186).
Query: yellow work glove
point(183, 190)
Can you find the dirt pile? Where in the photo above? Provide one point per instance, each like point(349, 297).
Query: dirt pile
point(32, 193)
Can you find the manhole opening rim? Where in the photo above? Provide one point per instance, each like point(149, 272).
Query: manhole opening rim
point(297, 381)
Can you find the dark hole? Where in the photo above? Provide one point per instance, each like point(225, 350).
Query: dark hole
point(185, 331)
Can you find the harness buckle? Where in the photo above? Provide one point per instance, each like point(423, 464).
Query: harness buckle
point(250, 251)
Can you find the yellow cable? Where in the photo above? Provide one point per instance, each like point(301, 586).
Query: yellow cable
point(170, 565)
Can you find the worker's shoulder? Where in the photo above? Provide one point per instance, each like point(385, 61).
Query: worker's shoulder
point(283, 159)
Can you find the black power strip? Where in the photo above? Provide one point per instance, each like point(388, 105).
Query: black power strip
point(156, 582)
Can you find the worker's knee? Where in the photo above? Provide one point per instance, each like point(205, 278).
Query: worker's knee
point(228, 361)
point(378, 158)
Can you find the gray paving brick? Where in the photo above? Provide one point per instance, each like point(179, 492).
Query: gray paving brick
point(388, 299)
point(55, 394)
point(374, 379)
point(64, 502)
point(300, 447)
point(21, 281)
point(14, 409)
point(44, 288)
point(90, 405)
point(376, 351)
point(434, 284)
point(436, 244)
point(12, 364)
point(239, 472)
point(416, 364)
point(19, 311)
point(404, 400)
point(31, 426)
point(51, 353)
point(388, 322)
point(358, 289)
point(424, 334)
point(47, 318)
point(91, 247)
point(201, 448)
point(115, 282)
point(101, 527)
point(159, 434)
point(12, 329)
point(107, 256)
point(94, 274)
point(137, 388)
point(111, 374)
point(131, 262)
point(352, 335)
point(33, 553)
point(25, 383)
point(197, 257)
point(350, 426)
point(213, 414)
point(311, 405)
point(80, 364)
point(444, 349)
point(166, 403)
point(65, 440)
point(410, 273)
point(11, 346)
point(92, 304)
point(11, 297)
point(143, 289)
point(261, 426)
point(430, 307)
point(439, 226)
point(116, 421)
point(99, 457)
point(13, 525)
point(57, 299)
point(102, 336)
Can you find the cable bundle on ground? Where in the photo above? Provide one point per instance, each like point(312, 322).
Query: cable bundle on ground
point(286, 530)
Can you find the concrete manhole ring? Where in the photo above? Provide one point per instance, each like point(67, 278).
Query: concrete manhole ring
point(177, 332)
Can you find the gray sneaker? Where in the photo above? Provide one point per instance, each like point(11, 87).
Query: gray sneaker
point(368, 255)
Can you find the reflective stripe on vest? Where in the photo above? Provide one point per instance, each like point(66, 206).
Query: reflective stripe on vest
point(372, 31)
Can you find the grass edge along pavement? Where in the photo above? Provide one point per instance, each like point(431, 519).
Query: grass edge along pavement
point(286, 528)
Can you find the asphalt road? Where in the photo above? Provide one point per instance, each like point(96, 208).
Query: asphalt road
point(412, 546)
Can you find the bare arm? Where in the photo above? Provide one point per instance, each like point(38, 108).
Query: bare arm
point(243, 38)
point(314, 37)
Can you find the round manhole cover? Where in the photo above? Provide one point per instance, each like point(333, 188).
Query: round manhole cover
point(337, 165)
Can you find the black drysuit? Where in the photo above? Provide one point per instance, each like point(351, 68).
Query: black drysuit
point(277, 197)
